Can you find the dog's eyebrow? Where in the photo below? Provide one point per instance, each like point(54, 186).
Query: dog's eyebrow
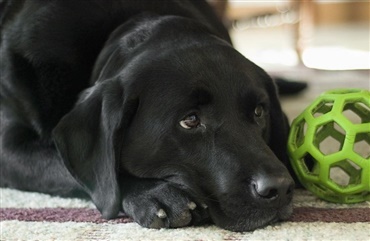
point(201, 96)
point(250, 98)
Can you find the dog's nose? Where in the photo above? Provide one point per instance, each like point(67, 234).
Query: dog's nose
point(274, 190)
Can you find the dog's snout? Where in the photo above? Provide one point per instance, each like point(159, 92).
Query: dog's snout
point(274, 190)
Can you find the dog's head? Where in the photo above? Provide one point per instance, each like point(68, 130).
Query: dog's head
point(188, 109)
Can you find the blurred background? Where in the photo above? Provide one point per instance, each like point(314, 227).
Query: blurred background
point(320, 34)
point(323, 43)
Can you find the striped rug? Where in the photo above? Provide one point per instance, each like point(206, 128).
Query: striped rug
point(34, 216)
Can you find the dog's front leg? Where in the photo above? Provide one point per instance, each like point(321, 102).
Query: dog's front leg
point(159, 204)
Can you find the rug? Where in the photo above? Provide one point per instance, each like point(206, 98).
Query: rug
point(35, 216)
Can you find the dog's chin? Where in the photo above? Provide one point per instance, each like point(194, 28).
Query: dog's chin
point(251, 219)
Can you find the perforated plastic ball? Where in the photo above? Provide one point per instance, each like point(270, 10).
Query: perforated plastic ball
point(329, 146)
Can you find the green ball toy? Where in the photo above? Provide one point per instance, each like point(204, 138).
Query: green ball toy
point(329, 146)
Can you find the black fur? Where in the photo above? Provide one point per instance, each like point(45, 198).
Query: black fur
point(93, 98)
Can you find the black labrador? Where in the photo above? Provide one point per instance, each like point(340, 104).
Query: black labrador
point(144, 107)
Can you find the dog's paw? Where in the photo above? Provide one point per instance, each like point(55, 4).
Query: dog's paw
point(163, 206)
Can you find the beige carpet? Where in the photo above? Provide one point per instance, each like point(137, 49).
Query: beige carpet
point(34, 216)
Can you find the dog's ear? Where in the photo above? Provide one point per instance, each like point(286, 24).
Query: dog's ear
point(88, 137)
point(279, 125)
point(279, 129)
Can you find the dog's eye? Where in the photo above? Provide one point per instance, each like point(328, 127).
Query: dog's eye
point(191, 121)
point(258, 112)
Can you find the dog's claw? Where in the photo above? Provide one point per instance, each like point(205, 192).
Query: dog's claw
point(192, 205)
point(161, 214)
point(204, 205)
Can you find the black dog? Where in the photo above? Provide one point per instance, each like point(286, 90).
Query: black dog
point(144, 107)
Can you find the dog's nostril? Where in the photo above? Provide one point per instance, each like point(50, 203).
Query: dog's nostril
point(266, 192)
point(272, 188)
point(273, 193)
